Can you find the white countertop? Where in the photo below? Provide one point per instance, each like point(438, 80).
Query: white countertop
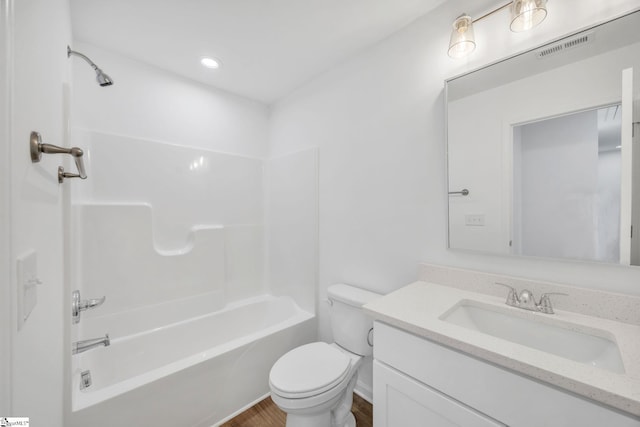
point(418, 307)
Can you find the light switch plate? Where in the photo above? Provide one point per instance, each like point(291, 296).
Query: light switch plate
point(474, 220)
point(27, 272)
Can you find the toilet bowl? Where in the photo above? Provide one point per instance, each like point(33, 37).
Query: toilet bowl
point(314, 383)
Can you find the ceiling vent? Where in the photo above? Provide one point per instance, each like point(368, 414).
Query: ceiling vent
point(557, 48)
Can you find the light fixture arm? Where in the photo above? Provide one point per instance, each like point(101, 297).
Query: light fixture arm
point(491, 12)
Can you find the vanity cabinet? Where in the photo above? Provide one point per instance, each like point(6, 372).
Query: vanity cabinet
point(417, 382)
point(400, 400)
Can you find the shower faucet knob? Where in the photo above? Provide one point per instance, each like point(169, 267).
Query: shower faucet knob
point(78, 305)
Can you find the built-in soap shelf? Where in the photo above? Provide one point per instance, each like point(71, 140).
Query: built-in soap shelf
point(117, 256)
point(130, 216)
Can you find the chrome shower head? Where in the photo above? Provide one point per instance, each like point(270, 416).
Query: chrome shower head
point(102, 78)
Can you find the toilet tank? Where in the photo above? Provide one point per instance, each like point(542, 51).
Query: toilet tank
point(349, 324)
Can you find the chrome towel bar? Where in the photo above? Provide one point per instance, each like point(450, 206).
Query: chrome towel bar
point(36, 148)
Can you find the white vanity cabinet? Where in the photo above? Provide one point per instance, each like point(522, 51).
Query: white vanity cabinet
point(402, 401)
point(420, 383)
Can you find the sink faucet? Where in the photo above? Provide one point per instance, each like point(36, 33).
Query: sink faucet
point(527, 301)
point(82, 346)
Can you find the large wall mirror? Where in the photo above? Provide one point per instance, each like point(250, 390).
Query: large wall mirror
point(542, 160)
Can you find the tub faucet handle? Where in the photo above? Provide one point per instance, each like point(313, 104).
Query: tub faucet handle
point(90, 303)
point(79, 305)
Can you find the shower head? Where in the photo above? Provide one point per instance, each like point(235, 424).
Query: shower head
point(101, 78)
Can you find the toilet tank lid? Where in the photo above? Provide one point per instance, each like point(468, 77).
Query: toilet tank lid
point(351, 295)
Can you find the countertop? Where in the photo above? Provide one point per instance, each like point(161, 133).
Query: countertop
point(418, 307)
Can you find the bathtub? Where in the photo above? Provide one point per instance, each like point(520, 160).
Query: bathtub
point(195, 372)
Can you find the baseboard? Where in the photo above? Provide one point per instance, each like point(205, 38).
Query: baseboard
point(239, 411)
point(364, 392)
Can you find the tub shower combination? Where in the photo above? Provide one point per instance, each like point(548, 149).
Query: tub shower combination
point(192, 372)
point(175, 322)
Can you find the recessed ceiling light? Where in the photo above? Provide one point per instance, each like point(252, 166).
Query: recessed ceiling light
point(211, 62)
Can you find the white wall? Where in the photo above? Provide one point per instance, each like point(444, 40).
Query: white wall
point(149, 103)
point(378, 120)
point(476, 162)
point(40, 100)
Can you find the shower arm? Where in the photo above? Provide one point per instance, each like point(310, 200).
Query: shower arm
point(73, 52)
point(102, 78)
point(37, 148)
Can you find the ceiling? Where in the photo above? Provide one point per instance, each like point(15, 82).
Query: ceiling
point(268, 47)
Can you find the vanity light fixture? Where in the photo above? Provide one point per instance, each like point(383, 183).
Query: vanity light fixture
point(525, 14)
point(210, 62)
point(462, 41)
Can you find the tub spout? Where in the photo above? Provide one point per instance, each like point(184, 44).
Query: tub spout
point(82, 346)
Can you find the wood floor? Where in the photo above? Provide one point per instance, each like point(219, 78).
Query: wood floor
point(266, 414)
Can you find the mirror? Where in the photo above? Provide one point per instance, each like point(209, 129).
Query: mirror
point(539, 150)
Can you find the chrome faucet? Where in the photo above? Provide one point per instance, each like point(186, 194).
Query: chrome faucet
point(527, 301)
point(82, 346)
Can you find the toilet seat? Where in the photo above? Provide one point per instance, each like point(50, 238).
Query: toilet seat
point(309, 370)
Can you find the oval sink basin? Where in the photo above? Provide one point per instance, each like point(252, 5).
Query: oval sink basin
point(593, 347)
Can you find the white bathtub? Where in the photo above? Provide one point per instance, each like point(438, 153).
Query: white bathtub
point(195, 372)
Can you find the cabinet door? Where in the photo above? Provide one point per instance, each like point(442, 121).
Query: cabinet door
point(401, 401)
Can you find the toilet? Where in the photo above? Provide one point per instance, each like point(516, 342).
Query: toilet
point(314, 383)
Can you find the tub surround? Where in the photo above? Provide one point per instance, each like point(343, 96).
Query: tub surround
point(195, 308)
point(419, 307)
point(122, 234)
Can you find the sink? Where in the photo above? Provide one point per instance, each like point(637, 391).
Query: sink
point(585, 345)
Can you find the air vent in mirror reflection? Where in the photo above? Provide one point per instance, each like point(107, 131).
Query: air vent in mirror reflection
point(580, 40)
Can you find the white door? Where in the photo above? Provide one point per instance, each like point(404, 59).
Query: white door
point(36, 70)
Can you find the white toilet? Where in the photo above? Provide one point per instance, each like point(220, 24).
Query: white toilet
point(314, 383)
